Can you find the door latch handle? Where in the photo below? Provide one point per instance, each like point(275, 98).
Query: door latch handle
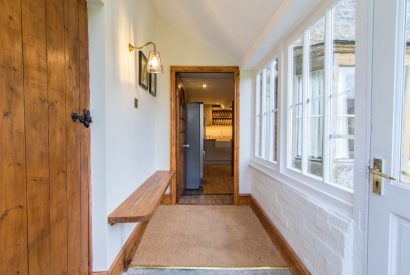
point(85, 119)
point(185, 146)
point(378, 173)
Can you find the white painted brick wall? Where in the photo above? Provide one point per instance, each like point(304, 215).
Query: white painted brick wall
point(322, 238)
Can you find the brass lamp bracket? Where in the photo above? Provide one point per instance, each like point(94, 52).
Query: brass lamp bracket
point(131, 47)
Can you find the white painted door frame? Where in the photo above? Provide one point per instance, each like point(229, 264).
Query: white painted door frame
point(364, 42)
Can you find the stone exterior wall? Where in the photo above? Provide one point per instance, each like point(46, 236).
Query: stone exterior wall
point(344, 20)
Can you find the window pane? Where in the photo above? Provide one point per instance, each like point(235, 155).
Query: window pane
point(315, 105)
point(271, 137)
point(261, 114)
point(258, 126)
point(275, 109)
point(343, 94)
point(297, 79)
point(267, 113)
point(405, 158)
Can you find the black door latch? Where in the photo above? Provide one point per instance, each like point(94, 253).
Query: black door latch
point(85, 119)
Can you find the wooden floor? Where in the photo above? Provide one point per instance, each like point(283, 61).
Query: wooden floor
point(217, 187)
point(206, 199)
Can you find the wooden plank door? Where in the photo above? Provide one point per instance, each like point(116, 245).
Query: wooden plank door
point(44, 155)
point(181, 175)
point(13, 193)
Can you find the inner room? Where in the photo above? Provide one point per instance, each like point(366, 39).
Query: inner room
point(206, 137)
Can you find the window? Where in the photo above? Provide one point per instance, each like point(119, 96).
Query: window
point(315, 98)
point(266, 107)
point(322, 97)
point(297, 103)
point(258, 109)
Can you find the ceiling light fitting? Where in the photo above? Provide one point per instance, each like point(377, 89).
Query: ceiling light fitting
point(154, 64)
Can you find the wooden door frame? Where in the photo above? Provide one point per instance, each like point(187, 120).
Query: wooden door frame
point(174, 70)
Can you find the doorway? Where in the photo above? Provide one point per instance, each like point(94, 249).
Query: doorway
point(205, 134)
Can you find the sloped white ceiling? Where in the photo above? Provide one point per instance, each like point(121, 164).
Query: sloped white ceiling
point(229, 26)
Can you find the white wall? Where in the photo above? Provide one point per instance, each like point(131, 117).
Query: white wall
point(245, 143)
point(176, 49)
point(322, 238)
point(128, 144)
point(96, 24)
point(122, 137)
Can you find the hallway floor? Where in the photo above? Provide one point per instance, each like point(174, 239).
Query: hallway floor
point(217, 187)
point(213, 236)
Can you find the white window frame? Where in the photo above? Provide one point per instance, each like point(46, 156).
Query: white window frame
point(275, 111)
point(265, 162)
point(332, 197)
point(256, 118)
point(324, 183)
point(337, 197)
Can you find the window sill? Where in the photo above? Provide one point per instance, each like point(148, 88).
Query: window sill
point(331, 197)
point(269, 165)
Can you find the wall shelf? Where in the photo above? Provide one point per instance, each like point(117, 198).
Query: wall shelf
point(222, 117)
point(141, 204)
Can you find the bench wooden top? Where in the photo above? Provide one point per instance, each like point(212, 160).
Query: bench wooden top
point(141, 204)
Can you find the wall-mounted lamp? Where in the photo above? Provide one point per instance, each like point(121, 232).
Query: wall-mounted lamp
point(154, 64)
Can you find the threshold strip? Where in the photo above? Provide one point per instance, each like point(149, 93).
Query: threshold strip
point(210, 268)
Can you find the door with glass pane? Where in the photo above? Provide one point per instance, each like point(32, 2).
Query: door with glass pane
point(389, 212)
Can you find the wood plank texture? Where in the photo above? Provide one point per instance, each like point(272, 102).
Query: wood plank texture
point(13, 209)
point(181, 139)
point(174, 102)
point(206, 199)
point(296, 266)
point(57, 135)
point(166, 199)
point(36, 118)
point(244, 199)
point(218, 180)
point(141, 204)
point(44, 156)
point(86, 259)
point(72, 57)
point(236, 131)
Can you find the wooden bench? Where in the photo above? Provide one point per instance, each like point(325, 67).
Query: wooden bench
point(141, 204)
